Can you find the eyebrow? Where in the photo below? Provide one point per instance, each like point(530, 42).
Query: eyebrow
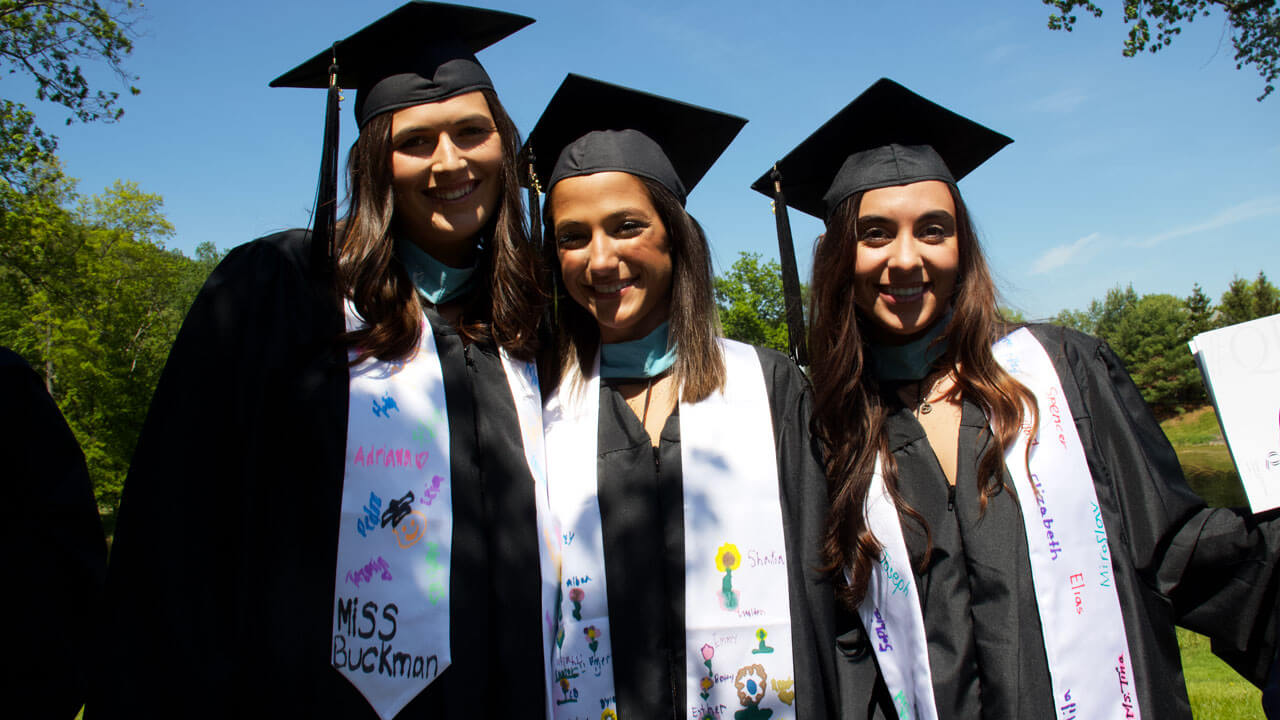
point(464, 120)
point(618, 214)
point(623, 212)
point(932, 215)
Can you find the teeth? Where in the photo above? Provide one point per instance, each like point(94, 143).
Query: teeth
point(612, 287)
point(903, 292)
point(454, 194)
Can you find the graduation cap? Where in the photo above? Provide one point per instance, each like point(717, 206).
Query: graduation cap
point(592, 126)
point(421, 52)
point(887, 136)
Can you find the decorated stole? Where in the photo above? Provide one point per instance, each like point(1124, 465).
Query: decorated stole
point(737, 617)
point(1090, 667)
point(391, 594)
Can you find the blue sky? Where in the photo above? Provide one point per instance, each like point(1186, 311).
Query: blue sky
point(1159, 171)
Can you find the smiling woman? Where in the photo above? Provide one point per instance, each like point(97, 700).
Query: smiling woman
point(446, 170)
point(372, 518)
point(673, 454)
point(614, 255)
point(907, 257)
point(1016, 534)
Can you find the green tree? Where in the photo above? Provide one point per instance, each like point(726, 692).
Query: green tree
point(1254, 26)
point(1245, 300)
point(1149, 336)
point(1236, 304)
point(93, 299)
point(1199, 312)
point(1012, 315)
point(1108, 315)
point(1266, 297)
point(1074, 319)
point(751, 303)
point(46, 41)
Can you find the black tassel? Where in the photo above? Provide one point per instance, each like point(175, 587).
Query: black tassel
point(535, 209)
point(790, 276)
point(322, 230)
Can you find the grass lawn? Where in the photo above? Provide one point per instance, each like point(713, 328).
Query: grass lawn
point(1217, 692)
point(1197, 427)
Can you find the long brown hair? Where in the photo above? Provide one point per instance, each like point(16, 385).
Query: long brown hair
point(699, 368)
point(507, 302)
point(850, 407)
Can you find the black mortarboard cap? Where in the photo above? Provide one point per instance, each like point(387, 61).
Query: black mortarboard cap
point(592, 126)
point(419, 53)
point(887, 136)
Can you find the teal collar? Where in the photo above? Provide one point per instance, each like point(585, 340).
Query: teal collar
point(644, 358)
point(911, 361)
point(437, 282)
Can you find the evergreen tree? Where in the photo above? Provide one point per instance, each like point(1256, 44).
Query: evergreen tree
point(1199, 313)
point(1245, 300)
point(1266, 297)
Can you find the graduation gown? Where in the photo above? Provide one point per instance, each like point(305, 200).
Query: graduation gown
point(1176, 561)
point(640, 491)
point(55, 552)
point(221, 584)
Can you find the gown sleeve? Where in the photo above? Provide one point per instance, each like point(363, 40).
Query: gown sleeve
point(1211, 570)
point(55, 549)
point(207, 478)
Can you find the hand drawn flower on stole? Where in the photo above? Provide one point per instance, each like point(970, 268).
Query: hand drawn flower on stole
point(751, 683)
point(575, 596)
point(727, 560)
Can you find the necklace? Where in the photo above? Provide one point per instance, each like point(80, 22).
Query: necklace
point(924, 405)
point(644, 415)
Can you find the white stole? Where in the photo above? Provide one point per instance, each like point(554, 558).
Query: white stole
point(737, 617)
point(1090, 667)
point(391, 594)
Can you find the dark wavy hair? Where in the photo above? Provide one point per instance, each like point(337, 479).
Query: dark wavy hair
point(850, 407)
point(699, 368)
point(508, 302)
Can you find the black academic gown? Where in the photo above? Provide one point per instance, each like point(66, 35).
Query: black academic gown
point(1175, 560)
point(55, 552)
point(640, 491)
point(220, 589)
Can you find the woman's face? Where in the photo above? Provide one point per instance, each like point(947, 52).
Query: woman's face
point(908, 258)
point(614, 254)
point(446, 166)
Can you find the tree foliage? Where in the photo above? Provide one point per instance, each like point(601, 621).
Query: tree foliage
point(1254, 26)
point(92, 298)
point(47, 41)
point(751, 302)
point(1150, 332)
point(1246, 300)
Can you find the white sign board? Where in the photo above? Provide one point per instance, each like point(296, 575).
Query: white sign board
point(1241, 369)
